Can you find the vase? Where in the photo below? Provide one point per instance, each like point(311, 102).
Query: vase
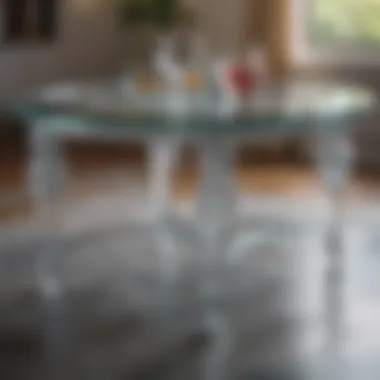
point(239, 78)
point(175, 56)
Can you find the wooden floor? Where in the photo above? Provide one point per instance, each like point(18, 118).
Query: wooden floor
point(94, 170)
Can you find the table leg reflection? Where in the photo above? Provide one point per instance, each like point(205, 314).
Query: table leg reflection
point(335, 156)
point(217, 360)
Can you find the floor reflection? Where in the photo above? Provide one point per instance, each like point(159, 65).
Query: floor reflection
point(291, 314)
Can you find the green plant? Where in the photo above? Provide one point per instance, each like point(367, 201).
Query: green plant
point(159, 14)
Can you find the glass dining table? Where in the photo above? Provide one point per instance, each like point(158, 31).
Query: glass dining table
point(324, 113)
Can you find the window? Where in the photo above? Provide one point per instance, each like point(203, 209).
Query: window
point(337, 30)
point(28, 21)
point(346, 21)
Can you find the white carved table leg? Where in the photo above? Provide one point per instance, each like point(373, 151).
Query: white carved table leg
point(335, 155)
point(47, 176)
point(162, 161)
point(217, 208)
point(163, 155)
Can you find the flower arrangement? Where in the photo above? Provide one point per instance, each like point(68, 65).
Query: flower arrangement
point(161, 15)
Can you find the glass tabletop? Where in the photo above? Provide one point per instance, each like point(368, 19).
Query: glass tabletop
point(108, 108)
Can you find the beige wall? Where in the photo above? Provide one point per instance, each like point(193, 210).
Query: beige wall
point(91, 44)
point(231, 24)
point(224, 21)
point(88, 44)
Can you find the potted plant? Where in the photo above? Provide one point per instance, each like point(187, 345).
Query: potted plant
point(165, 21)
point(161, 15)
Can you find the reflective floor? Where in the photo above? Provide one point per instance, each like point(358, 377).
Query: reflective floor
point(285, 311)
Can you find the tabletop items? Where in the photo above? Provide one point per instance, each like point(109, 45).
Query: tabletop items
point(203, 90)
point(176, 85)
point(239, 78)
point(233, 78)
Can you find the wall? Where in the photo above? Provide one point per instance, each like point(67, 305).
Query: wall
point(268, 24)
point(89, 44)
point(223, 21)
